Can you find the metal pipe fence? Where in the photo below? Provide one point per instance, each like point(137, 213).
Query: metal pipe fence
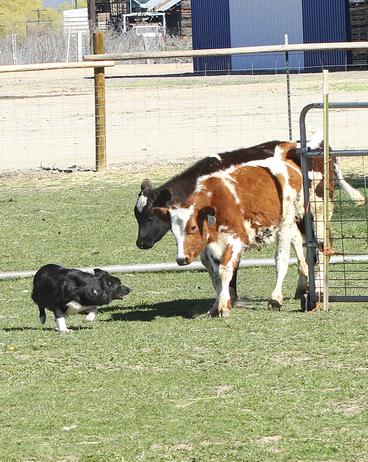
point(195, 266)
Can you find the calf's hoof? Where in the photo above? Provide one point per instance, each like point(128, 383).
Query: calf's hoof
point(300, 293)
point(213, 312)
point(233, 296)
point(224, 313)
point(274, 304)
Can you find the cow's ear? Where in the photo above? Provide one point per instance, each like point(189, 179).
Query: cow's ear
point(209, 214)
point(162, 213)
point(164, 197)
point(146, 184)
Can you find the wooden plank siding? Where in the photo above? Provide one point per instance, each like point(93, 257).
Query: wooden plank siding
point(359, 32)
point(186, 18)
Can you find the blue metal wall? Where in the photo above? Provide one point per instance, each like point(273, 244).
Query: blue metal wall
point(326, 21)
point(265, 22)
point(235, 23)
point(211, 29)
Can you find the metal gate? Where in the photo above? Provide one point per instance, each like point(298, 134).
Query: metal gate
point(347, 279)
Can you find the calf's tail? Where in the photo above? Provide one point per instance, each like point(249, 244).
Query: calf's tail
point(315, 143)
point(353, 193)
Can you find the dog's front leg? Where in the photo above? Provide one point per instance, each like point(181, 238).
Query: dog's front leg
point(60, 322)
point(91, 316)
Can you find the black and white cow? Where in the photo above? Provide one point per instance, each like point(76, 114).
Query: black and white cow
point(153, 225)
point(151, 228)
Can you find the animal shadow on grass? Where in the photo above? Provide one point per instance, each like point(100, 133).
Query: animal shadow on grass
point(260, 303)
point(186, 308)
point(42, 329)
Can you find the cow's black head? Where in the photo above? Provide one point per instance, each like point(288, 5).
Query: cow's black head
point(152, 223)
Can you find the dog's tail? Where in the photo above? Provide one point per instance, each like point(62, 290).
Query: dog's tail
point(42, 316)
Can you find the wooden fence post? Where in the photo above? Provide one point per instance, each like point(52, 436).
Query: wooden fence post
point(100, 105)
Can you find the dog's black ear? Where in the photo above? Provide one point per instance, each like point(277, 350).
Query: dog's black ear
point(99, 272)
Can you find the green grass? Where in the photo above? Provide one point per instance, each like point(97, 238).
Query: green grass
point(157, 83)
point(152, 379)
point(356, 86)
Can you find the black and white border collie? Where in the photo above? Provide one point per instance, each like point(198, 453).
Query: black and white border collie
point(71, 291)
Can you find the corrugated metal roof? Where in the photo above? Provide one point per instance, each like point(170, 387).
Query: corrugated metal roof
point(166, 5)
point(150, 4)
point(157, 5)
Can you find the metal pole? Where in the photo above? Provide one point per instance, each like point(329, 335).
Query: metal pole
point(310, 242)
point(79, 46)
point(326, 182)
point(68, 46)
point(288, 87)
point(100, 107)
point(14, 47)
point(195, 266)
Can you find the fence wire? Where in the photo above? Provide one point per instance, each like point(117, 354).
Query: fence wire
point(157, 113)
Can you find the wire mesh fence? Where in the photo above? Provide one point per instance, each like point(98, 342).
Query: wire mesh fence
point(336, 221)
point(350, 236)
point(47, 119)
point(161, 112)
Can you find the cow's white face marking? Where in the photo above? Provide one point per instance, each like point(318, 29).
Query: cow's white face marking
point(141, 202)
point(179, 219)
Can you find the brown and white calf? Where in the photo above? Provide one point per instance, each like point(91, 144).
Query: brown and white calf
point(245, 206)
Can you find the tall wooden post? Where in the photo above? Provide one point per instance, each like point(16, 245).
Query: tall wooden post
point(100, 107)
